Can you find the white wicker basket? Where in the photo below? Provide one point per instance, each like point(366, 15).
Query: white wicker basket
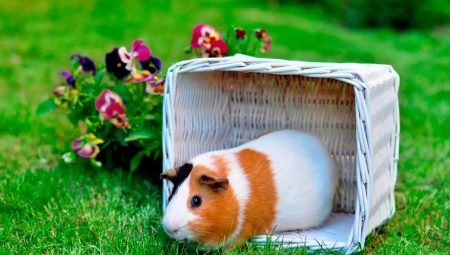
point(212, 104)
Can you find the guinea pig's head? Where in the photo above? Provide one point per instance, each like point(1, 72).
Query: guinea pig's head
point(202, 206)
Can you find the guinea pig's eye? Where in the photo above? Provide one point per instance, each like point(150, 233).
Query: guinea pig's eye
point(196, 201)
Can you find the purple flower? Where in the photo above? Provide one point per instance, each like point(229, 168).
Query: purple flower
point(115, 65)
point(87, 64)
point(153, 64)
point(69, 77)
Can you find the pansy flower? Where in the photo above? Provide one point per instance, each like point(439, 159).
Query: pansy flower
point(155, 86)
point(240, 33)
point(209, 41)
point(203, 36)
point(267, 43)
point(139, 51)
point(111, 107)
point(87, 65)
point(87, 146)
point(218, 49)
point(261, 34)
point(115, 65)
point(153, 64)
point(68, 77)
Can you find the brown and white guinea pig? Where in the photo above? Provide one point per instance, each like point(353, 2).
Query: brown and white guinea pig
point(284, 180)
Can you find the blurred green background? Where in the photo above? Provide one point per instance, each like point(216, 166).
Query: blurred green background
point(48, 207)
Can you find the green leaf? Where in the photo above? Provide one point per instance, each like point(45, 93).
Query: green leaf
point(139, 135)
point(188, 50)
point(136, 160)
point(99, 76)
point(46, 107)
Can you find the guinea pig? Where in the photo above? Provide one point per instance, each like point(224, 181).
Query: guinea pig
point(284, 180)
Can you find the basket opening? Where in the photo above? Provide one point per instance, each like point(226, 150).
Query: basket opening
point(219, 110)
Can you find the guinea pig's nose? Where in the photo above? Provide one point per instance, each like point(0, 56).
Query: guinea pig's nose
point(170, 231)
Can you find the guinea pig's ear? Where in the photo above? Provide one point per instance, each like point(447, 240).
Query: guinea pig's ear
point(177, 175)
point(217, 184)
point(170, 174)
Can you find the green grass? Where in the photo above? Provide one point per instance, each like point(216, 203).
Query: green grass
point(49, 207)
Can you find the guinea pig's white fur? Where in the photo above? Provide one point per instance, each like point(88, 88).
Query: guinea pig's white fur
point(284, 180)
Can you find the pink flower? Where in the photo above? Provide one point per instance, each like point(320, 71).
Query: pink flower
point(261, 34)
point(267, 43)
point(87, 146)
point(203, 35)
point(58, 91)
point(218, 49)
point(139, 51)
point(111, 107)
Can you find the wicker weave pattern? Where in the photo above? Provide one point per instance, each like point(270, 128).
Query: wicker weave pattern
point(220, 103)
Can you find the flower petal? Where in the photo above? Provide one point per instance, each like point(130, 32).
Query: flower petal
point(109, 104)
point(88, 151)
point(155, 87)
point(153, 64)
point(69, 77)
point(218, 49)
point(203, 35)
point(127, 58)
point(115, 65)
point(58, 91)
point(136, 44)
point(87, 65)
point(141, 50)
point(77, 144)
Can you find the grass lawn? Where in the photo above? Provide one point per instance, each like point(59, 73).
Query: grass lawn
point(49, 207)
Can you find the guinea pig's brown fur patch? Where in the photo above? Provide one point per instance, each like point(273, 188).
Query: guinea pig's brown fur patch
point(260, 211)
point(219, 210)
